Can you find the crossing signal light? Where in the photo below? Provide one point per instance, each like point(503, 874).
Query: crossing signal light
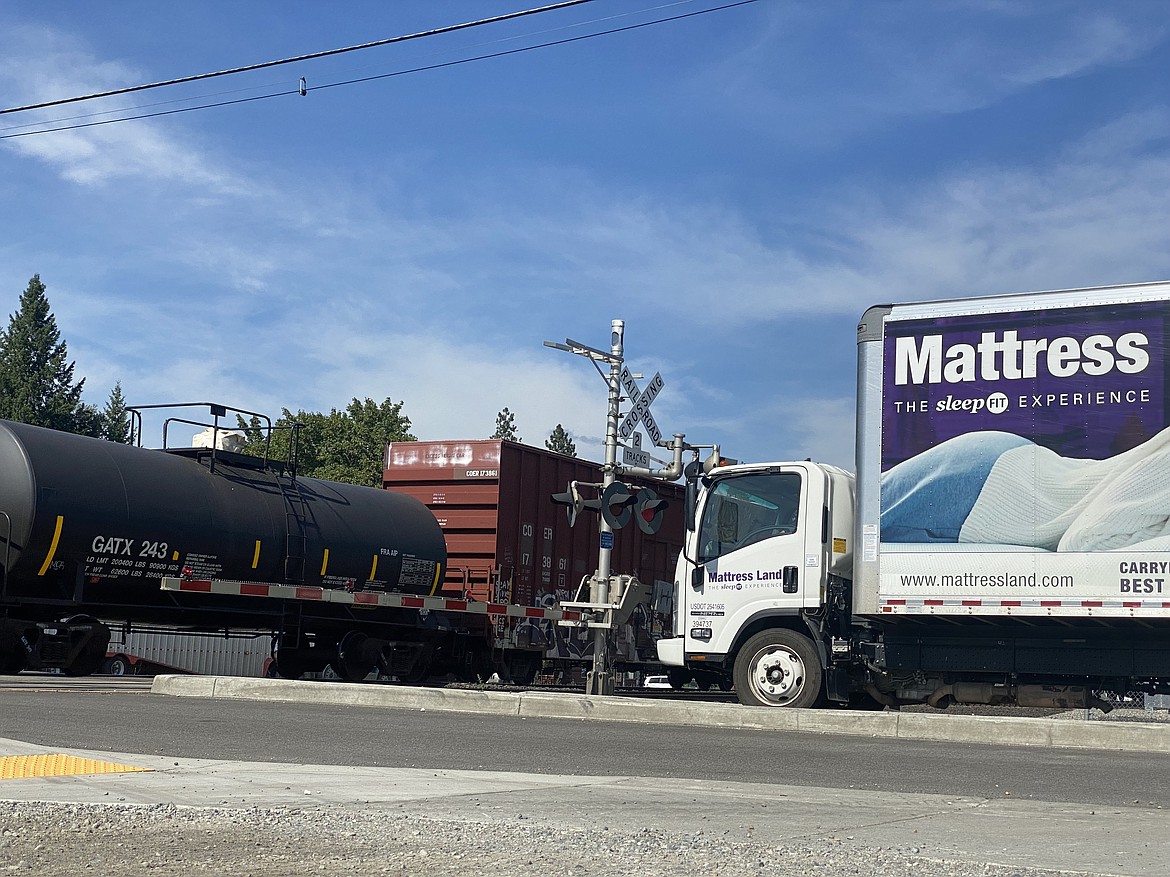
point(616, 505)
point(574, 503)
point(571, 500)
point(649, 508)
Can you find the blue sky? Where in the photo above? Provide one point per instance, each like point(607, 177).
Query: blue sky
point(737, 186)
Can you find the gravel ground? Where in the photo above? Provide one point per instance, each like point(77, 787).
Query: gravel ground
point(74, 839)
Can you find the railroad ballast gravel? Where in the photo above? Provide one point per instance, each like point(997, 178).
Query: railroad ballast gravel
point(50, 839)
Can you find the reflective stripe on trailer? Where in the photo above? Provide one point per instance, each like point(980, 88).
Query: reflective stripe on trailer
point(921, 605)
point(362, 598)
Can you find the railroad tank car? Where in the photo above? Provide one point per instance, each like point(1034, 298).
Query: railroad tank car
point(90, 527)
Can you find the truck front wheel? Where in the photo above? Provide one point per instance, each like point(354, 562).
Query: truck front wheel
point(778, 668)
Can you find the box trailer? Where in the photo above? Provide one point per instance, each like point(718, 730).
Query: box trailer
point(508, 543)
point(147, 652)
point(1006, 537)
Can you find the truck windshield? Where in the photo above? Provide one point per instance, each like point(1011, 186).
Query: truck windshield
point(745, 509)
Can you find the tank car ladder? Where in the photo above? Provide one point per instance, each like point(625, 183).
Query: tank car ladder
point(296, 522)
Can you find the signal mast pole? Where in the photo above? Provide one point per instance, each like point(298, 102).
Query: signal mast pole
point(600, 679)
point(598, 613)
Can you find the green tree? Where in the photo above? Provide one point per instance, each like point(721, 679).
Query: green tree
point(506, 427)
point(36, 376)
point(344, 445)
point(88, 420)
point(560, 442)
point(115, 423)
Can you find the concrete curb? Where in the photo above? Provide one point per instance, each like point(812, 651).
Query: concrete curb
point(1061, 733)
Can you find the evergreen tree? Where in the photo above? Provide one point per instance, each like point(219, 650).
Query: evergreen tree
point(36, 378)
point(506, 427)
point(115, 423)
point(560, 442)
point(88, 420)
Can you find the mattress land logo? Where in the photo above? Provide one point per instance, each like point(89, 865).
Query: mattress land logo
point(738, 581)
point(921, 361)
point(1004, 356)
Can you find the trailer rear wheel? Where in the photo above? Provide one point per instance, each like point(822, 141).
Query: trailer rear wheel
point(119, 665)
point(778, 668)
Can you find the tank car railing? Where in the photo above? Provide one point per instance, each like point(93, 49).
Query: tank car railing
point(217, 411)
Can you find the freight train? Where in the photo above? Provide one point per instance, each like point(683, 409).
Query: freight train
point(95, 534)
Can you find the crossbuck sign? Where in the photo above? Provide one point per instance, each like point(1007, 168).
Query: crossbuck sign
point(641, 409)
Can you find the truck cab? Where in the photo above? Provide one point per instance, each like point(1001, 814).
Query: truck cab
point(767, 553)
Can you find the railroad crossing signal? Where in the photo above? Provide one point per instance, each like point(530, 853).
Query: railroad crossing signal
point(574, 503)
point(649, 507)
point(617, 503)
point(641, 409)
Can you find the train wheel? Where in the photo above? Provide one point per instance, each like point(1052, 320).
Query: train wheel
point(13, 663)
point(778, 668)
point(523, 670)
point(86, 663)
point(417, 674)
point(354, 661)
point(95, 638)
point(287, 661)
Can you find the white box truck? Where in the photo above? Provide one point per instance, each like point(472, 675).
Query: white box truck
point(1006, 538)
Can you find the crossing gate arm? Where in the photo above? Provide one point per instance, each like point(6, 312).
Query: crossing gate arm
point(372, 599)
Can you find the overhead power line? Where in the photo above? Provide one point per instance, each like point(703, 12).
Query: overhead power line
point(301, 90)
point(309, 57)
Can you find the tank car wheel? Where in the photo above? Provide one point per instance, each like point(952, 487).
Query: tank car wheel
point(778, 668)
point(419, 673)
point(12, 664)
point(86, 664)
point(287, 662)
point(523, 670)
point(92, 652)
point(354, 662)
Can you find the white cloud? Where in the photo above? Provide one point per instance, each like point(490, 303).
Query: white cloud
point(41, 64)
point(268, 288)
point(384, 307)
point(829, 75)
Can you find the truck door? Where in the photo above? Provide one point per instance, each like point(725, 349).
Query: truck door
point(751, 552)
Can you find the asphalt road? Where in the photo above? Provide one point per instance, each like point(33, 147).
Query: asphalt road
point(116, 719)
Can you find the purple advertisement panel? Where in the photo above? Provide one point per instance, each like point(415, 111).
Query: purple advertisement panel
point(1041, 429)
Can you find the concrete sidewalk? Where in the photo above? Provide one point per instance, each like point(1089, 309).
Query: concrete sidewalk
point(1114, 840)
point(1062, 733)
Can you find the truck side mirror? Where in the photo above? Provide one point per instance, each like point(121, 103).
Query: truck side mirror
point(690, 500)
point(698, 574)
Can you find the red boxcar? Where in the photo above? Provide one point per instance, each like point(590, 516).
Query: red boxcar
point(508, 542)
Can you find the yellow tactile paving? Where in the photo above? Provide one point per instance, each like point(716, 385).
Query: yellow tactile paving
point(21, 767)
